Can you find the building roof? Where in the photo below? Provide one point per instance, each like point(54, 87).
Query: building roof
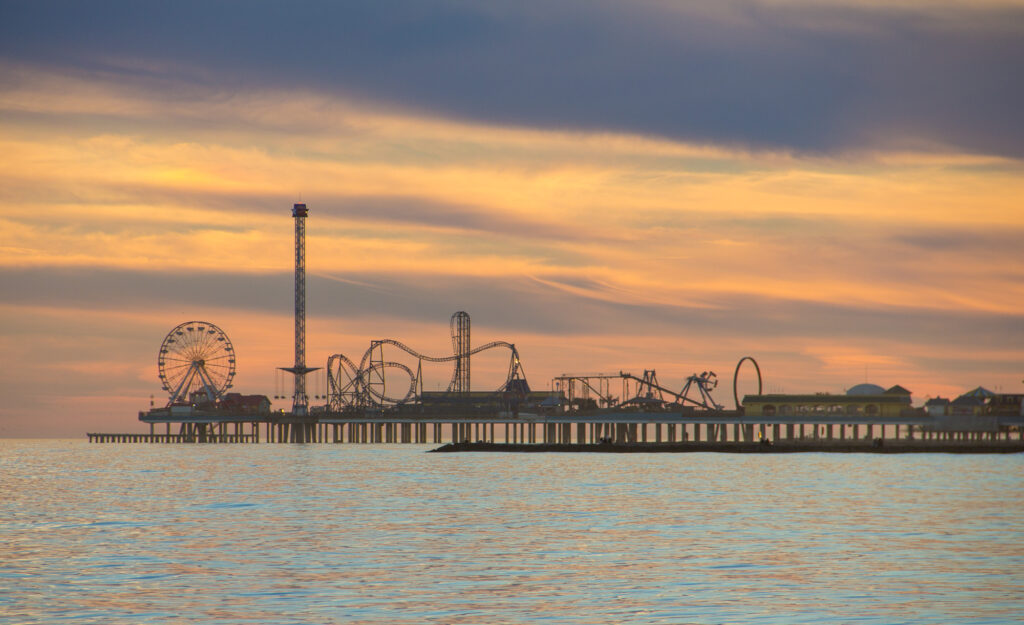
point(898, 390)
point(979, 392)
point(968, 400)
point(937, 401)
point(865, 389)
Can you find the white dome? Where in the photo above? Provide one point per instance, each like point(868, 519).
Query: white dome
point(865, 389)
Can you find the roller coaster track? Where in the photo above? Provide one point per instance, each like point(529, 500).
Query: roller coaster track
point(415, 354)
point(350, 386)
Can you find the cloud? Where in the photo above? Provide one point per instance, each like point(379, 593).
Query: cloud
point(667, 185)
point(559, 306)
point(819, 78)
point(983, 241)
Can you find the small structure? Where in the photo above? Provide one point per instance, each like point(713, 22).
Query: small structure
point(937, 407)
point(236, 403)
point(967, 406)
point(1004, 404)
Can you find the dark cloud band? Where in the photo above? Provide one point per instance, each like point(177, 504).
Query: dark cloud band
point(817, 79)
point(513, 305)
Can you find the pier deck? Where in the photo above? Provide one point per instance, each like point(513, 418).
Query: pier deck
point(588, 429)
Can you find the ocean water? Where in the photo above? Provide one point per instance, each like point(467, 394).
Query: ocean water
point(390, 534)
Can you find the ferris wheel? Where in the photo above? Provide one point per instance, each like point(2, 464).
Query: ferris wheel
point(197, 362)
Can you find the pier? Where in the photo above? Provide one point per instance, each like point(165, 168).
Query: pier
point(595, 429)
point(379, 399)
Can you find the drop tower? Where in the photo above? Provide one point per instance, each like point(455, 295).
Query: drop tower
point(300, 401)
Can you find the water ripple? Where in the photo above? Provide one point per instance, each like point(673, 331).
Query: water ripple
point(359, 534)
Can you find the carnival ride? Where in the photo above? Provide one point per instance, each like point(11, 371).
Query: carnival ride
point(736, 376)
point(365, 386)
point(594, 391)
point(196, 363)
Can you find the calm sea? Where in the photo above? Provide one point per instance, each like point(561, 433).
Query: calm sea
point(364, 534)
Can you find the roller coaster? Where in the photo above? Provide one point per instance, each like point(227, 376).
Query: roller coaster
point(365, 386)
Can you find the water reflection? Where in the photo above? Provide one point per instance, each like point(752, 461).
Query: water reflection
point(136, 534)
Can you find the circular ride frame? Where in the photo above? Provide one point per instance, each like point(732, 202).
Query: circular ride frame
point(196, 357)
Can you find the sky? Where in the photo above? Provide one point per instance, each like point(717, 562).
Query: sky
point(835, 188)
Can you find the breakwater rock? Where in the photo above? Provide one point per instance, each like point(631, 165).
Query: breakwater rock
point(877, 446)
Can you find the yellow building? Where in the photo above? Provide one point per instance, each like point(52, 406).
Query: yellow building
point(863, 400)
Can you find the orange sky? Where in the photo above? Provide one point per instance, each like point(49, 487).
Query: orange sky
point(124, 212)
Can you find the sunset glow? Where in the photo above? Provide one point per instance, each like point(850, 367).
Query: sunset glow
point(140, 189)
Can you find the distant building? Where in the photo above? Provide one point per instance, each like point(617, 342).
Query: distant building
point(978, 410)
point(199, 399)
point(236, 403)
point(937, 407)
point(863, 400)
point(1007, 405)
point(981, 401)
point(967, 406)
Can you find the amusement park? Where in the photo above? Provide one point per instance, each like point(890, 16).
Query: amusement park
point(382, 395)
point(196, 368)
